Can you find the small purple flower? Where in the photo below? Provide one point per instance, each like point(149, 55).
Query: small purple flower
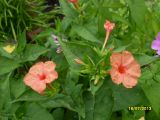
point(156, 44)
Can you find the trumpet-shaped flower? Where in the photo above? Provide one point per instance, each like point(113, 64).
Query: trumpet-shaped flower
point(125, 69)
point(41, 74)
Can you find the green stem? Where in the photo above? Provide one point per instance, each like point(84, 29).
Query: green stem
point(106, 39)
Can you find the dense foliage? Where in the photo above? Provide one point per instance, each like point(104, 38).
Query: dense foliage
point(84, 89)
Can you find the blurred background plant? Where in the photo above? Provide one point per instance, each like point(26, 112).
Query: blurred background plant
point(17, 16)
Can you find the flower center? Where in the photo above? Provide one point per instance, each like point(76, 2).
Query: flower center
point(42, 77)
point(121, 69)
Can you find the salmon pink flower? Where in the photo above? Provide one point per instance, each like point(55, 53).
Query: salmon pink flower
point(108, 26)
point(125, 69)
point(40, 75)
point(156, 44)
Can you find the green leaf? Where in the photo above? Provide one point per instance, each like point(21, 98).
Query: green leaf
point(59, 100)
point(17, 83)
point(67, 9)
point(144, 59)
point(99, 107)
point(121, 48)
point(30, 96)
point(5, 89)
point(58, 114)
point(150, 83)
point(124, 98)
point(32, 52)
point(68, 55)
point(36, 112)
point(21, 42)
point(85, 33)
point(138, 10)
point(7, 65)
point(153, 96)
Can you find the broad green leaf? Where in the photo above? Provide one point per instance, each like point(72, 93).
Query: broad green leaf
point(5, 97)
point(59, 100)
point(67, 9)
point(120, 49)
point(66, 101)
point(21, 42)
point(68, 55)
point(151, 92)
point(150, 83)
point(138, 10)
point(58, 114)
point(99, 107)
point(124, 98)
point(32, 52)
point(66, 22)
point(7, 65)
point(85, 33)
point(144, 59)
point(17, 83)
point(36, 112)
point(29, 96)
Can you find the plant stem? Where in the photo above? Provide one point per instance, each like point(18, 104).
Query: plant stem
point(106, 39)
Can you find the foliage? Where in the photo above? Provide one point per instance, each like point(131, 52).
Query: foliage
point(83, 91)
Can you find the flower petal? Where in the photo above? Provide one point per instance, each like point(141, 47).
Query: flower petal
point(34, 82)
point(29, 79)
point(50, 77)
point(116, 76)
point(134, 69)
point(158, 52)
point(127, 58)
point(37, 69)
point(39, 86)
point(156, 45)
point(115, 59)
point(49, 66)
point(129, 81)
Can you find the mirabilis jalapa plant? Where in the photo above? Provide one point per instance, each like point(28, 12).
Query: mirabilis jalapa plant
point(121, 66)
point(124, 68)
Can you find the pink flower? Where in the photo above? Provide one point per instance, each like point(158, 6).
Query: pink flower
point(41, 74)
point(125, 69)
point(108, 26)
